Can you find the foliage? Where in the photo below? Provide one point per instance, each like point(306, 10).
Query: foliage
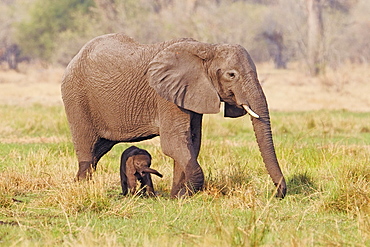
point(54, 31)
point(324, 156)
point(38, 35)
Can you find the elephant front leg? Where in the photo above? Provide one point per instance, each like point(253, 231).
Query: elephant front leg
point(194, 179)
point(194, 176)
point(188, 176)
point(187, 180)
point(147, 185)
point(178, 188)
point(131, 183)
point(180, 135)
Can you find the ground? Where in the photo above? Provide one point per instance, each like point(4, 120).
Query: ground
point(292, 89)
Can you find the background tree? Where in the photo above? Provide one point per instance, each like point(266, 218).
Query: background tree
point(276, 46)
point(315, 37)
point(9, 50)
point(281, 31)
point(38, 34)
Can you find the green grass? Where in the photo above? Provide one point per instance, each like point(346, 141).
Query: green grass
point(325, 156)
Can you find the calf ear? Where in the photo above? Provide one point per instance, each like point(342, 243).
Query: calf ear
point(130, 167)
point(179, 75)
point(130, 173)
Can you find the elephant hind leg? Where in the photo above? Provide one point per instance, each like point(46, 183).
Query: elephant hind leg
point(84, 170)
point(101, 147)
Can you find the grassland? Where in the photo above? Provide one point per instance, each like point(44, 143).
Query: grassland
point(324, 155)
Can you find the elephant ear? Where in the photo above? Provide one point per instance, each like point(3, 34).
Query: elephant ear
point(130, 167)
point(233, 111)
point(178, 74)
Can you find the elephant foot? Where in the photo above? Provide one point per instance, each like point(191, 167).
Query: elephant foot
point(188, 189)
point(150, 191)
point(177, 191)
point(85, 171)
point(196, 182)
point(180, 193)
point(188, 182)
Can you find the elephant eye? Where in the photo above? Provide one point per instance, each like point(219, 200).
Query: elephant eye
point(231, 75)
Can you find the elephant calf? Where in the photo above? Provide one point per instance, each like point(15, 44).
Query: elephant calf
point(135, 165)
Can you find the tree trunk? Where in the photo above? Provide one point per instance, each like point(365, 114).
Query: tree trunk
point(315, 37)
point(276, 47)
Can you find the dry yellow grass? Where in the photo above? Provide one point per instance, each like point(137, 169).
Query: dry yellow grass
point(324, 156)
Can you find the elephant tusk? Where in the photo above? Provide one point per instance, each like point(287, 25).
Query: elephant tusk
point(250, 112)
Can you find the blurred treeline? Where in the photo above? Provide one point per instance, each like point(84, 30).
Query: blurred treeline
point(52, 31)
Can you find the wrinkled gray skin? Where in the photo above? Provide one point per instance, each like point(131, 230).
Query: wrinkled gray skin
point(135, 165)
point(117, 90)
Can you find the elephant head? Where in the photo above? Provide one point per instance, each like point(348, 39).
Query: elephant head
point(140, 165)
point(199, 76)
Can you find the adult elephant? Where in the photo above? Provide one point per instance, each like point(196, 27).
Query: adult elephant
point(117, 90)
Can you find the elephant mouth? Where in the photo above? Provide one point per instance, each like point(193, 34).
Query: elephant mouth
point(244, 105)
point(249, 111)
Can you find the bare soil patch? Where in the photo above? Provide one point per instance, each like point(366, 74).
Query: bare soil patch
point(286, 90)
point(30, 86)
point(347, 88)
point(28, 140)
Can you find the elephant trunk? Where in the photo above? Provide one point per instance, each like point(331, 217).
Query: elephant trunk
point(262, 130)
point(263, 134)
point(150, 170)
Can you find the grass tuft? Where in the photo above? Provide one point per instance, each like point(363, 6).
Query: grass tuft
point(302, 183)
point(352, 195)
